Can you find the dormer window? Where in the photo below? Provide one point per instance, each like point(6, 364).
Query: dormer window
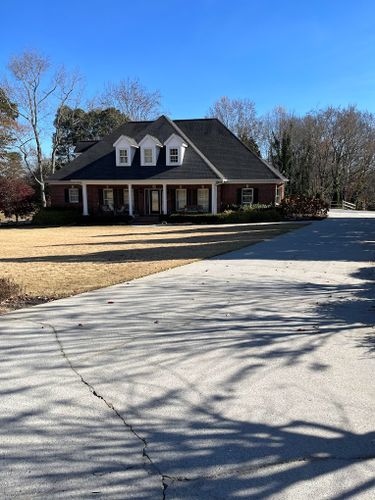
point(125, 150)
point(123, 156)
point(173, 155)
point(147, 156)
point(150, 149)
point(175, 147)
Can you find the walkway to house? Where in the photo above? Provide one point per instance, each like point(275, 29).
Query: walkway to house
point(250, 375)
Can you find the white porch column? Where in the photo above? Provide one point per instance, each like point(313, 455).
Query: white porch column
point(85, 206)
point(214, 198)
point(130, 191)
point(165, 199)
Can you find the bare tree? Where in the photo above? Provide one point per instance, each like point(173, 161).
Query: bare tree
point(37, 92)
point(328, 152)
point(271, 125)
point(239, 115)
point(131, 98)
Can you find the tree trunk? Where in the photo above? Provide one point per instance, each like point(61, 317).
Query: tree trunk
point(43, 195)
point(53, 160)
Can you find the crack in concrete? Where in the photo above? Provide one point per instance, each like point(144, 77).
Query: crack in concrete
point(110, 406)
point(166, 479)
point(259, 467)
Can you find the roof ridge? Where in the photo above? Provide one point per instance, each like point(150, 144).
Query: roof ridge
point(145, 131)
point(196, 149)
point(194, 119)
point(138, 121)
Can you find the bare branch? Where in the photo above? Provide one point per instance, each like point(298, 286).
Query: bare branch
point(132, 99)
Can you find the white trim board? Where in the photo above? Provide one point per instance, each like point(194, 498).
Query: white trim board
point(135, 181)
point(167, 181)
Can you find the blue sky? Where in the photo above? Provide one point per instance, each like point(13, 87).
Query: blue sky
point(299, 54)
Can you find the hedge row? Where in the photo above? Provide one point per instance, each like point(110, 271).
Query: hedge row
point(228, 217)
point(70, 217)
point(294, 207)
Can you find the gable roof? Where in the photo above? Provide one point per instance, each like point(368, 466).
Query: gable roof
point(154, 139)
point(213, 152)
point(125, 138)
point(230, 155)
point(176, 137)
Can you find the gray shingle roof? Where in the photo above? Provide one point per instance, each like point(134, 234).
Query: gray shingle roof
point(229, 155)
point(82, 146)
point(213, 152)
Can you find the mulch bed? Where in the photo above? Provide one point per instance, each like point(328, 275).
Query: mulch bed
point(21, 301)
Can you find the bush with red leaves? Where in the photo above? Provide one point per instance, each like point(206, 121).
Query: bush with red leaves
point(16, 197)
point(304, 207)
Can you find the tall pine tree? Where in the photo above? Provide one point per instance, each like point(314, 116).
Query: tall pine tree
point(75, 125)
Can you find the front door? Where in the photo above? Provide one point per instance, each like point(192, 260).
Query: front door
point(153, 201)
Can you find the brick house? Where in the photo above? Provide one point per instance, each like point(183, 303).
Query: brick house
point(164, 166)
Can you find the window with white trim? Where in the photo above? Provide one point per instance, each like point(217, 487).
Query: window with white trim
point(147, 155)
point(203, 199)
point(73, 195)
point(123, 156)
point(247, 196)
point(278, 192)
point(108, 198)
point(181, 199)
point(173, 155)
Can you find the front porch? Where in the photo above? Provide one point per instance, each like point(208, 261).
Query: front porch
point(136, 199)
point(145, 199)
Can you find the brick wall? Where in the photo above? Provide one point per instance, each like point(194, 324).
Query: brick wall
point(56, 195)
point(229, 193)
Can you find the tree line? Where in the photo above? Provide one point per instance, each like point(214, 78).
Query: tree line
point(327, 153)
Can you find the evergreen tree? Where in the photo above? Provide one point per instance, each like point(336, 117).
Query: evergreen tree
point(8, 116)
point(75, 125)
point(11, 166)
point(281, 155)
point(250, 142)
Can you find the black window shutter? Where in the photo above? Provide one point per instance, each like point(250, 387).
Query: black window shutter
point(101, 198)
point(239, 196)
point(66, 195)
point(120, 197)
point(256, 195)
point(194, 197)
point(80, 195)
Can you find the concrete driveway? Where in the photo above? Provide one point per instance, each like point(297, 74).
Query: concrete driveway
point(250, 375)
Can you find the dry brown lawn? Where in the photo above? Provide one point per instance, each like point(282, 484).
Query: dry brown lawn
point(63, 261)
